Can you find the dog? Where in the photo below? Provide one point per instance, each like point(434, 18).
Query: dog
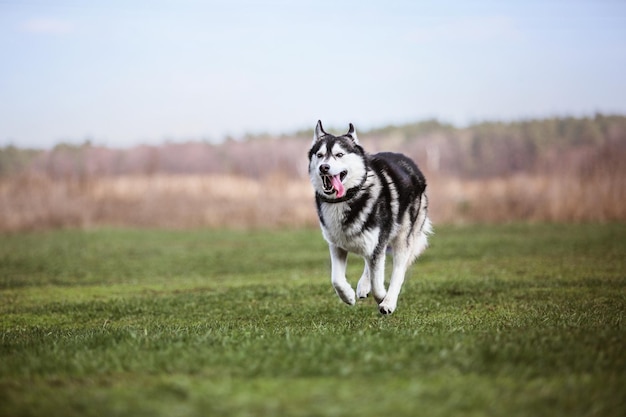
point(367, 204)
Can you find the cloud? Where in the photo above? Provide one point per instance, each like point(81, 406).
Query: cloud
point(47, 26)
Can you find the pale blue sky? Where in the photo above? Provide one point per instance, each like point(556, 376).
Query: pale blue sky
point(128, 72)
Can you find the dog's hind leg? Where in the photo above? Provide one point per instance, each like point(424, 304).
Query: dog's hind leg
point(364, 286)
point(376, 267)
point(401, 261)
point(338, 261)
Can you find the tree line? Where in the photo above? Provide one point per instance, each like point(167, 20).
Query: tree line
point(481, 150)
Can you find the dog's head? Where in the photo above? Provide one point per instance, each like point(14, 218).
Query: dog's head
point(336, 163)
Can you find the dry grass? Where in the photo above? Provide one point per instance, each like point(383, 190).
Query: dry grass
point(34, 202)
point(172, 201)
point(528, 198)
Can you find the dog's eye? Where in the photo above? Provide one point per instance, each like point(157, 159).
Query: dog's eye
point(339, 155)
point(320, 155)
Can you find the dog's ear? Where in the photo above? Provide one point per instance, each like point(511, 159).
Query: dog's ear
point(352, 134)
point(319, 132)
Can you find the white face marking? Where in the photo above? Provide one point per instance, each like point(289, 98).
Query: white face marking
point(340, 160)
point(328, 157)
point(333, 159)
point(353, 164)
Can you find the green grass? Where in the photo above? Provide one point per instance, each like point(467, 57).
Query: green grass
point(513, 320)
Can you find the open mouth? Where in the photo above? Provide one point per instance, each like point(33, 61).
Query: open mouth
point(334, 183)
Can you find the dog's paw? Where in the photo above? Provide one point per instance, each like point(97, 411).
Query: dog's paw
point(387, 306)
point(346, 293)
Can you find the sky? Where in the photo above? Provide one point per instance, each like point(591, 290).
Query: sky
point(122, 73)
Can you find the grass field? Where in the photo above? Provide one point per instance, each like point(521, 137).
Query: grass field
point(518, 320)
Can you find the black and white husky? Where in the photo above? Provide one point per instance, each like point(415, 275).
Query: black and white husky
point(366, 203)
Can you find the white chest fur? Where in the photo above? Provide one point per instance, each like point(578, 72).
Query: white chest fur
point(361, 243)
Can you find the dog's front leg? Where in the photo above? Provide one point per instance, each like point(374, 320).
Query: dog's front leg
point(338, 261)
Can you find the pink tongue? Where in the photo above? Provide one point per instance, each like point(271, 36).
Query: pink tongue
point(338, 186)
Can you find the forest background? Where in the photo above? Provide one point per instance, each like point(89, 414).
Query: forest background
point(562, 169)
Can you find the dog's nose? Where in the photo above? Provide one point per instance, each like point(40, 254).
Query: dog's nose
point(324, 168)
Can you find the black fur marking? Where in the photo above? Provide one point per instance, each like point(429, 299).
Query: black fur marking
point(318, 203)
point(356, 207)
point(346, 142)
point(407, 178)
point(384, 218)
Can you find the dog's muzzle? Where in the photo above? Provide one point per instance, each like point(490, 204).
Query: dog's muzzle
point(332, 183)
